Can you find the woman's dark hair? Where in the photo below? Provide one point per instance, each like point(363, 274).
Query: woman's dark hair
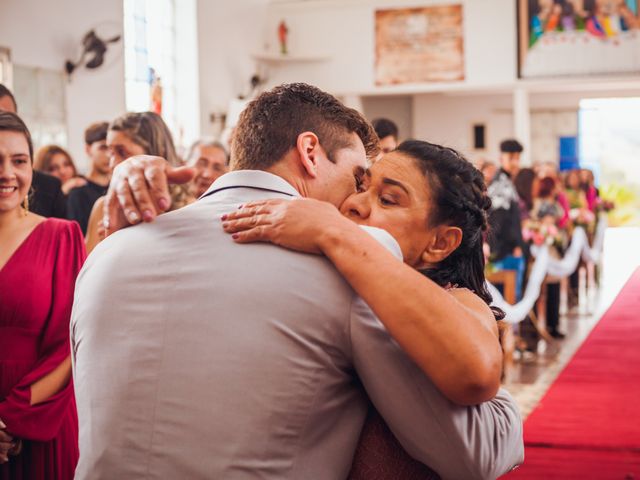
point(534, 8)
point(459, 198)
point(545, 187)
point(524, 185)
point(590, 7)
point(5, 92)
point(385, 127)
point(10, 122)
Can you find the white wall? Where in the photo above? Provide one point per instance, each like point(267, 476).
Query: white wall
point(228, 31)
point(398, 108)
point(187, 77)
point(45, 34)
point(449, 119)
point(344, 32)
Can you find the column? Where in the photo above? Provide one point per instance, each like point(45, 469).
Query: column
point(522, 123)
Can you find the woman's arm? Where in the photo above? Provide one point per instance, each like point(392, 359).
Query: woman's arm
point(452, 337)
point(52, 383)
point(94, 227)
point(72, 183)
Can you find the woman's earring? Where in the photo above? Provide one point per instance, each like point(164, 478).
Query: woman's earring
point(25, 205)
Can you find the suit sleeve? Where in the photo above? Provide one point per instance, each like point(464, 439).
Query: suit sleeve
point(41, 422)
point(476, 442)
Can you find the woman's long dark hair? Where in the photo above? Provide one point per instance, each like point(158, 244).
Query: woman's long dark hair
point(524, 182)
point(460, 199)
point(10, 122)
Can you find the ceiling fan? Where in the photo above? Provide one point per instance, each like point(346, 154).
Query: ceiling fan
point(94, 49)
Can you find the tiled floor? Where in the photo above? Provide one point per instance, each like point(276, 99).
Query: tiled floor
point(530, 377)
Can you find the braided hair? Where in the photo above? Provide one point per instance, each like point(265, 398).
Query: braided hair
point(459, 198)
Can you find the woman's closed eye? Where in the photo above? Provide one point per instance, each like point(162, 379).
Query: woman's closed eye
point(387, 200)
point(119, 151)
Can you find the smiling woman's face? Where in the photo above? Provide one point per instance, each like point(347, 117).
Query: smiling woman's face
point(15, 170)
point(396, 197)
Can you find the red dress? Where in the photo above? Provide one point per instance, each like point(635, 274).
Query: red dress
point(36, 295)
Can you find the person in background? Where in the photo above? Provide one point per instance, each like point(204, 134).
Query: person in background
point(548, 211)
point(209, 160)
point(488, 170)
point(587, 184)
point(550, 169)
point(577, 200)
point(7, 100)
point(81, 199)
point(387, 132)
point(56, 161)
point(524, 183)
point(140, 133)
point(46, 199)
point(505, 237)
point(39, 261)
point(575, 194)
point(545, 204)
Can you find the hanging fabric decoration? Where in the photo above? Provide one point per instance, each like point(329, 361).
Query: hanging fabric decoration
point(546, 265)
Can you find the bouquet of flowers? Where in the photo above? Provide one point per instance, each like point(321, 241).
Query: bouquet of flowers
point(604, 205)
point(539, 232)
point(582, 216)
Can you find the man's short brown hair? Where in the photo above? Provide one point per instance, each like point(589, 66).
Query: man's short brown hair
point(96, 132)
point(269, 127)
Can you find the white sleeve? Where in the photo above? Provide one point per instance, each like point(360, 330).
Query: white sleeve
point(386, 239)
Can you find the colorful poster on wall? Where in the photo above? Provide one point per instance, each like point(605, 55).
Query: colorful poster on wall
point(578, 37)
point(418, 45)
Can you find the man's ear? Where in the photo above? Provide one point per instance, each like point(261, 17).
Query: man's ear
point(308, 147)
point(444, 241)
point(86, 148)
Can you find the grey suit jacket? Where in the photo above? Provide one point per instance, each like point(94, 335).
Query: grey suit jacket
point(195, 357)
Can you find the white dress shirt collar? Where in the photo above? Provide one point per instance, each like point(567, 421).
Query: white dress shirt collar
point(252, 179)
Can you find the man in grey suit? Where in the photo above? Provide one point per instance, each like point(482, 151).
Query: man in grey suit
point(195, 357)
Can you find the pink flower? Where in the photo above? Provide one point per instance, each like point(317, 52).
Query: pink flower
point(538, 238)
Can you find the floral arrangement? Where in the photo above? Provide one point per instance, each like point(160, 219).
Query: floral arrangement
point(582, 216)
point(539, 233)
point(604, 205)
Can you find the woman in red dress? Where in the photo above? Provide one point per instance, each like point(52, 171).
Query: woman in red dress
point(39, 261)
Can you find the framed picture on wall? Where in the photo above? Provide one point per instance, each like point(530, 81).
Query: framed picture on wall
point(578, 37)
point(418, 45)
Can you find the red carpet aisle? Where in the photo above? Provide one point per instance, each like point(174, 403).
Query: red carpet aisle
point(587, 426)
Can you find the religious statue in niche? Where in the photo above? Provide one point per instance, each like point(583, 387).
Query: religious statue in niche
point(282, 36)
point(155, 92)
